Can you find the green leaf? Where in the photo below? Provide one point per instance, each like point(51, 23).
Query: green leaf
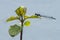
point(26, 17)
point(34, 16)
point(27, 23)
point(14, 30)
point(12, 18)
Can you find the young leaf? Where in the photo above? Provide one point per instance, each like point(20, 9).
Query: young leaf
point(26, 17)
point(14, 30)
point(12, 18)
point(34, 16)
point(21, 11)
point(27, 23)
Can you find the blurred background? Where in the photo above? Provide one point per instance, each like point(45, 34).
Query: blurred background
point(40, 29)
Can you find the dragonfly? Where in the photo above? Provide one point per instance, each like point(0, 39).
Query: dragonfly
point(45, 16)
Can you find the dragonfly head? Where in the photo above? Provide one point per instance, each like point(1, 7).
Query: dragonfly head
point(37, 14)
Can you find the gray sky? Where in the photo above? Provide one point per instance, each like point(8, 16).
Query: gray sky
point(40, 29)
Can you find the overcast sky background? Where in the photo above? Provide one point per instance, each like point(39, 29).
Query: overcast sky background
point(40, 29)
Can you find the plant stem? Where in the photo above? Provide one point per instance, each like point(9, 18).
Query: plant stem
point(21, 34)
point(21, 31)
